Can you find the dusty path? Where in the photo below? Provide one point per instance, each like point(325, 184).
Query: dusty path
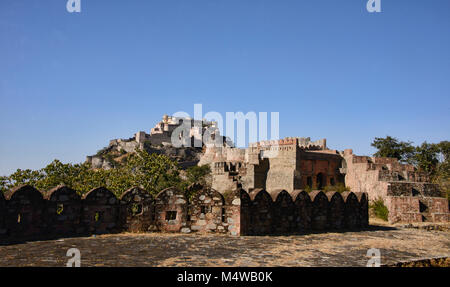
point(153, 249)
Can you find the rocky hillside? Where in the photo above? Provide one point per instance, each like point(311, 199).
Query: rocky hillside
point(117, 152)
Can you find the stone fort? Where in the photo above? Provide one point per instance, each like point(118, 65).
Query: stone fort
point(296, 163)
point(286, 186)
point(293, 164)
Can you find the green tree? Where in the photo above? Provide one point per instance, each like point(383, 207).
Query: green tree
point(152, 172)
point(197, 174)
point(195, 179)
point(4, 183)
point(28, 176)
point(442, 176)
point(426, 158)
point(430, 158)
point(444, 150)
point(392, 147)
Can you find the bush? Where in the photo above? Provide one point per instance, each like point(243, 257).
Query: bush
point(102, 152)
point(379, 209)
point(151, 172)
point(340, 187)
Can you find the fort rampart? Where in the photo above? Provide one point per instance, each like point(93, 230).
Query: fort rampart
point(29, 214)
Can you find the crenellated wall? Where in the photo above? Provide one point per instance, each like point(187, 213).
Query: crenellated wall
point(28, 214)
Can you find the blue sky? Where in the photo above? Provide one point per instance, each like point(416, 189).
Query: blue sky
point(71, 82)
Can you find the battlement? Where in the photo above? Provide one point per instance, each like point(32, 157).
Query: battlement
point(304, 143)
point(29, 214)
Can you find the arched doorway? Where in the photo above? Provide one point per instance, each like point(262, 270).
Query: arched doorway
point(320, 180)
point(309, 182)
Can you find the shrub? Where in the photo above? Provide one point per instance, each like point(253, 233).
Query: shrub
point(340, 187)
point(102, 152)
point(379, 209)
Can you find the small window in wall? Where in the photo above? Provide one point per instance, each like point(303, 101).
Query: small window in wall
point(98, 216)
point(223, 214)
point(332, 182)
point(153, 213)
point(135, 209)
point(59, 208)
point(205, 209)
point(171, 215)
point(319, 181)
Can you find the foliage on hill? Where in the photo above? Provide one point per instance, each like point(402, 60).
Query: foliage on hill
point(152, 172)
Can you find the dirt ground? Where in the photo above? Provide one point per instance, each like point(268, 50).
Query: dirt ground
point(396, 244)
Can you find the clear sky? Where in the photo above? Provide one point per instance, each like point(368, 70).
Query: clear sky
point(71, 82)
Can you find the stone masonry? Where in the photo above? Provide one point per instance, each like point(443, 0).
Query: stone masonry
point(299, 164)
point(30, 214)
point(293, 163)
point(406, 192)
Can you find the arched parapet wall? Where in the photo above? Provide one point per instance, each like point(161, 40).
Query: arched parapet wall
point(260, 212)
point(63, 211)
point(351, 210)
point(207, 212)
point(336, 207)
point(30, 214)
point(319, 214)
point(363, 200)
point(23, 191)
point(303, 210)
point(100, 212)
point(274, 194)
point(3, 229)
point(171, 206)
point(136, 210)
point(25, 217)
point(256, 192)
point(283, 210)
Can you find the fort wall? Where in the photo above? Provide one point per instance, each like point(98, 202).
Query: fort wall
point(32, 215)
point(405, 192)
